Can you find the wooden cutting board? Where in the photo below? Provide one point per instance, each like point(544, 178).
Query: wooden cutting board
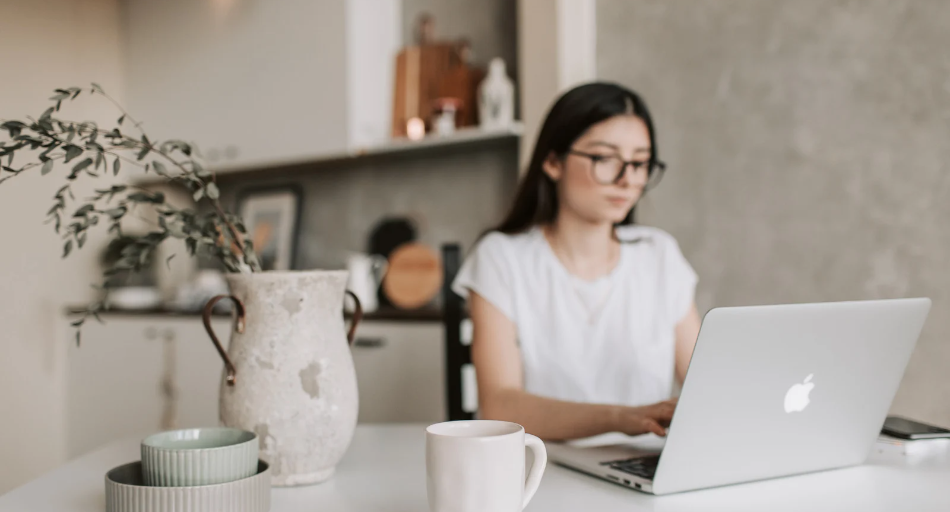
point(414, 276)
point(419, 72)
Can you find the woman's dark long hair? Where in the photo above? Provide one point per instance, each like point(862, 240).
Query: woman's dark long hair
point(577, 110)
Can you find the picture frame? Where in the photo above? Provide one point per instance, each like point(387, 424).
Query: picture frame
point(272, 219)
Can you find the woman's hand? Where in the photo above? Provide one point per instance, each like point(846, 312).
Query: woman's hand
point(654, 418)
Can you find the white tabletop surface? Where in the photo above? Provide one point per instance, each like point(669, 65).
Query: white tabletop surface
point(384, 470)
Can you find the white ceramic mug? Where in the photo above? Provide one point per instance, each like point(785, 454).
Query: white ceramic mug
point(479, 466)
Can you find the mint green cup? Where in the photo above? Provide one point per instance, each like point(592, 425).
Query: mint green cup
point(198, 456)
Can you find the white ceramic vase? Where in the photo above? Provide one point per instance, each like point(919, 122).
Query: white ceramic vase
point(289, 374)
point(496, 98)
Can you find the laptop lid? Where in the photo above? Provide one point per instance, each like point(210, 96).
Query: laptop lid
point(782, 390)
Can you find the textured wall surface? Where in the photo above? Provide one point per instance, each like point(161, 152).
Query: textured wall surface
point(808, 149)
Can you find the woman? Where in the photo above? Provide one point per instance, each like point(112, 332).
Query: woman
point(582, 320)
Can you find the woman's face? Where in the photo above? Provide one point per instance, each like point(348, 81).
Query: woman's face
point(585, 176)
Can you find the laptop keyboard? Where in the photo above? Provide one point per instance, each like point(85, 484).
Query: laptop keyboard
point(644, 467)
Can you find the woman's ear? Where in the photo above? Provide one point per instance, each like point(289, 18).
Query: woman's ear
point(553, 167)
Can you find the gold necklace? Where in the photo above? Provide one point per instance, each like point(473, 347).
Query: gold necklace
point(592, 312)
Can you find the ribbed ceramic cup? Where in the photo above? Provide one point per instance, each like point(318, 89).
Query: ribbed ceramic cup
point(198, 456)
point(126, 492)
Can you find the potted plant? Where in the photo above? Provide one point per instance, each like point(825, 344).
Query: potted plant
point(288, 375)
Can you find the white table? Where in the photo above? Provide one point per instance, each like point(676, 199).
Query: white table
point(384, 470)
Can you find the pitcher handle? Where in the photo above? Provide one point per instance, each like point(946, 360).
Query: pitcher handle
point(357, 316)
point(238, 327)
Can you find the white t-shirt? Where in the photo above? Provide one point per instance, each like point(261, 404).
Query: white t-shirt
point(605, 341)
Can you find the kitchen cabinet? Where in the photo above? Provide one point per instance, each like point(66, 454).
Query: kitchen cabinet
point(137, 374)
point(258, 83)
point(400, 368)
point(143, 373)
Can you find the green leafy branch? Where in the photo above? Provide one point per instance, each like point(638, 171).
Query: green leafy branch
point(87, 150)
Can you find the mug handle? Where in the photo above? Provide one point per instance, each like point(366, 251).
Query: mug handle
point(238, 327)
point(357, 316)
point(537, 469)
point(380, 266)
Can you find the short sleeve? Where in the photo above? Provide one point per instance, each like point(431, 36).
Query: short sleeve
point(487, 273)
point(680, 280)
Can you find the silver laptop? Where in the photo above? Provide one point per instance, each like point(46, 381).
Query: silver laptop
point(771, 391)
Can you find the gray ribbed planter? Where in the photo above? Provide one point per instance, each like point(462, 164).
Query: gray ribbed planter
point(126, 492)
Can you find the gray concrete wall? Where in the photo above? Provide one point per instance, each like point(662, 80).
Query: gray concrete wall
point(452, 195)
point(808, 143)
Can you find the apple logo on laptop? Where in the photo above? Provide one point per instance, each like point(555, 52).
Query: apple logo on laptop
point(796, 400)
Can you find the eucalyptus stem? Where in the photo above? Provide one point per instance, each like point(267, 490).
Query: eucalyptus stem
point(96, 88)
point(214, 203)
point(88, 148)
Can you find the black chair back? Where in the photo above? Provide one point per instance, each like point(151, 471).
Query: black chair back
point(457, 354)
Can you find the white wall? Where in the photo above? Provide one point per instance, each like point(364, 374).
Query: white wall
point(373, 38)
point(266, 78)
point(43, 45)
point(556, 51)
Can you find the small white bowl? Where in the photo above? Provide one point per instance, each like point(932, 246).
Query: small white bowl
point(198, 456)
point(134, 298)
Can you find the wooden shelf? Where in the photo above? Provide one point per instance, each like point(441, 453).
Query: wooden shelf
point(426, 314)
point(462, 139)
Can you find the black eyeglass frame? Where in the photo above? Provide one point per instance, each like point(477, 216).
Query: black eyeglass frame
point(656, 167)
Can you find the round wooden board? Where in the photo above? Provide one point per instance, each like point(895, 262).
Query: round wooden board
point(414, 276)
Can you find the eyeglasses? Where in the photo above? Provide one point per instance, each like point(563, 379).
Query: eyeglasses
point(609, 170)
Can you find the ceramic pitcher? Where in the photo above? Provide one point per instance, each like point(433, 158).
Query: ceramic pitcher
point(288, 372)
